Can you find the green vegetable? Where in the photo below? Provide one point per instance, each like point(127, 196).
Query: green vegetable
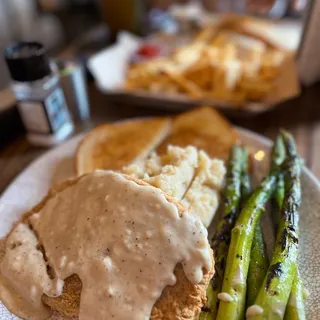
point(278, 153)
point(245, 178)
point(221, 239)
point(277, 157)
point(258, 257)
point(295, 308)
point(206, 315)
point(235, 276)
point(258, 267)
point(274, 294)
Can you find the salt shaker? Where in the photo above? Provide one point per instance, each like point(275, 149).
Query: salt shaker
point(41, 101)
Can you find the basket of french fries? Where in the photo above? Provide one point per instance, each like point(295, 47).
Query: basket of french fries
point(223, 65)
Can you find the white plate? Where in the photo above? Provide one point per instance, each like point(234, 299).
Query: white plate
point(33, 183)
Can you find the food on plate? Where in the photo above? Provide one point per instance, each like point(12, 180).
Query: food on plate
point(224, 63)
point(259, 260)
point(237, 263)
point(137, 253)
point(205, 128)
point(145, 52)
point(251, 285)
point(172, 172)
point(221, 239)
point(278, 155)
point(246, 188)
point(112, 146)
point(202, 196)
point(295, 307)
point(283, 267)
point(186, 174)
point(148, 50)
point(130, 242)
point(258, 266)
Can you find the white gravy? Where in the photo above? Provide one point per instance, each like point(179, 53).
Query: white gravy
point(122, 239)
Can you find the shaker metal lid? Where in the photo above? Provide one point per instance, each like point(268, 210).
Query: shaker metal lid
point(27, 61)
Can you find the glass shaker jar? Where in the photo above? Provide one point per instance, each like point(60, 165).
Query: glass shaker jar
point(40, 99)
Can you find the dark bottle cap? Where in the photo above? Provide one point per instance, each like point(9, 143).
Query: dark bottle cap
point(27, 61)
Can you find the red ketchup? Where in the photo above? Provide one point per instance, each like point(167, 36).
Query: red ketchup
point(145, 52)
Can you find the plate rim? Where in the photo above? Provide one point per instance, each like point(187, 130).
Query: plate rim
point(268, 143)
point(256, 136)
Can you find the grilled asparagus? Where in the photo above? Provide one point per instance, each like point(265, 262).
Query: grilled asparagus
point(274, 294)
point(221, 239)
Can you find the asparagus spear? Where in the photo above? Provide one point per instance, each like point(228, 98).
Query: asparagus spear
point(245, 177)
point(206, 314)
point(259, 261)
point(274, 294)
point(277, 201)
point(232, 298)
point(258, 266)
point(278, 153)
point(258, 257)
point(277, 157)
point(221, 239)
point(295, 307)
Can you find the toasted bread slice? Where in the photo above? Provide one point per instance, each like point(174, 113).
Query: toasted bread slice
point(203, 128)
point(112, 146)
point(180, 301)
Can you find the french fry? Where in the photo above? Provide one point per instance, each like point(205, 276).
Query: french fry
point(163, 83)
point(256, 88)
point(251, 69)
point(188, 86)
point(137, 83)
point(220, 40)
point(188, 55)
point(205, 35)
point(222, 62)
point(201, 72)
point(226, 76)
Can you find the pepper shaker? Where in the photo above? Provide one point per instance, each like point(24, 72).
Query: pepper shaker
point(41, 101)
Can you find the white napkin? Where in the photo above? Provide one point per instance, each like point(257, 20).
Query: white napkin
point(109, 65)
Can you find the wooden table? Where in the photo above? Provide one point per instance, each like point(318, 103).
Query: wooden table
point(301, 116)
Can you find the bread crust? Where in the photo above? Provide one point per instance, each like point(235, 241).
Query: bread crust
point(204, 128)
point(114, 145)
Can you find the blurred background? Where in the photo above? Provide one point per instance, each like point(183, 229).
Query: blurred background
point(85, 32)
point(85, 26)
